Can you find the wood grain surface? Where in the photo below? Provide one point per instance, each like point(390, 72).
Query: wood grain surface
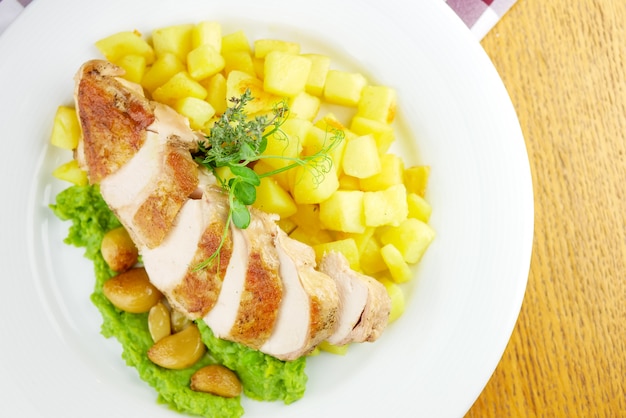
point(564, 65)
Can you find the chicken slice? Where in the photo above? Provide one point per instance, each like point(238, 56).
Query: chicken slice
point(139, 152)
point(364, 303)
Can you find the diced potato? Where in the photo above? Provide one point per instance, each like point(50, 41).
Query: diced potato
point(179, 86)
point(334, 349)
point(320, 237)
point(239, 61)
point(419, 208)
point(204, 61)
point(198, 111)
point(259, 67)
point(120, 44)
point(262, 47)
point(398, 268)
point(312, 186)
point(320, 64)
point(283, 178)
point(216, 92)
point(174, 39)
point(287, 225)
point(360, 238)
point(377, 103)
point(304, 106)
point(71, 172)
point(134, 67)
point(412, 237)
point(396, 294)
point(343, 87)
point(329, 121)
point(383, 133)
point(360, 157)
point(287, 144)
point(371, 260)
point(164, 68)
point(349, 183)
point(236, 41)
point(386, 207)
point(318, 138)
point(347, 247)
point(343, 211)
point(66, 130)
point(416, 179)
point(207, 33)
point(237, 82)
point(391, 172)
point(272, 198)
point(307, 217)
point(285, 73)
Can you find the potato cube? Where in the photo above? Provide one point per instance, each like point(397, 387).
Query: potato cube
point(371, 260)
point(216, 92)
point(66, 130)
point(304, 106)
point(382, 132)
point(283, 178)
point(398, 268)
point(179, 86)
point(378, 103)
point(272, 198)
point(174, 39)
point(391, 172)
point(419, 208)
point(134, 67)
point(349, 183)
point(164, 68)
point(320, 237)
point(311, 185)
point(259, 67)
point(396, 294)
point(343, 211)
point(320, 64)
point(416, 179)
point(412, 237)
point(204, 61)
point(333, 349)
point(239, 61)
point(360, 157)
point(285, 73)
point(343, 87)
point(198, 111)
point(262, 47)
point(307, 218)
point(120, 44)
point(318, 139)
point(237, 82)
point(347, 247)
point(386, 207)
point(207, 33)
point(284, 146)
point(236, 41)
point(71, 172)
point(287, 225)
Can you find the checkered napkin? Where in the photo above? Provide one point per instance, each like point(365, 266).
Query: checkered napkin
point(479, 15)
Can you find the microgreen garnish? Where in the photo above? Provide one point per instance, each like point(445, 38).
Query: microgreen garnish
point(236, 140)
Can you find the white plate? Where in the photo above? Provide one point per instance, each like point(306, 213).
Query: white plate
point(461, 308)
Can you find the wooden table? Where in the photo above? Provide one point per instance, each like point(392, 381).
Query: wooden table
point(564, 65)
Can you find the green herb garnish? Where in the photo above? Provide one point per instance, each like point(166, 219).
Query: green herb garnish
point(235, 141)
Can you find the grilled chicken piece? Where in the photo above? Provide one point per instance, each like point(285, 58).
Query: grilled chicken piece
point(263, 290)
point(365, 305)
point(139, 152)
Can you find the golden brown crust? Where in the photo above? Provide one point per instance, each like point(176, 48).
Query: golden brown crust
point(113, 118)
point(199, 289)
point(155, 216)
point(260, 300)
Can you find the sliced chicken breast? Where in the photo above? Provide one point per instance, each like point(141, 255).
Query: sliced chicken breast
point(364, 303)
